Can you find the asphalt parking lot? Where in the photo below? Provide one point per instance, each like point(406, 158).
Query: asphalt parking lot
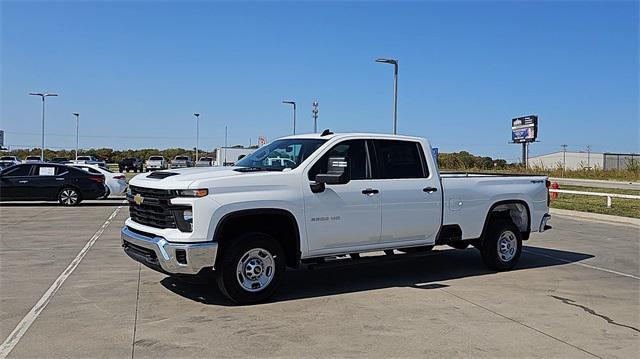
point(575, 293)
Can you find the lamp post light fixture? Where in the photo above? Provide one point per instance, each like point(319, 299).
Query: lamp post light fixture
point(294, 113)
point(42, 95)
point(395, 90)
point(77, 133)
point(197, 132)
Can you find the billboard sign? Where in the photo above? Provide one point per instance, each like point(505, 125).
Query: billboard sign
point(524, 129)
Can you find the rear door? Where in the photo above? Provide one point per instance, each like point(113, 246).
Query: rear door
point(47, 180)
point(15, 182)
point(410, 196)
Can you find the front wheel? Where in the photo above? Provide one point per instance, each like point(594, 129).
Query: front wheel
point(502, 247)
point(251, 268)
point(69, 196)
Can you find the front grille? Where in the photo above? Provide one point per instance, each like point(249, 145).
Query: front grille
point(155, 209)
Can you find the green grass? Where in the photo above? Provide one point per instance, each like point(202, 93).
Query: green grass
point(620, 206)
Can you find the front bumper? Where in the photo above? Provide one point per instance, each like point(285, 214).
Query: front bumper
point(171, 258)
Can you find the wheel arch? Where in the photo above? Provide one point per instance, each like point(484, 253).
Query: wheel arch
point(497, 210)
point(277, 222)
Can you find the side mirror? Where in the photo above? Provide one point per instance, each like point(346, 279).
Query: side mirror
point(338, 171)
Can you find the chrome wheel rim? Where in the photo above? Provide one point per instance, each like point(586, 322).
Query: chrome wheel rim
point(256, 269)
point(69, 196)
point(507, 246)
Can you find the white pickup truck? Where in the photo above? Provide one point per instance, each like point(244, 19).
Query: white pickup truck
point(339, 195)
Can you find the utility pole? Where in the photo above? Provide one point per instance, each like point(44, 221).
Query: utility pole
point(589, 156)
point(197, 132)
point(525, 154)
point(77, 136)
point(315, 116)
point(564, 158)
point(225, 145)
point(43, 95)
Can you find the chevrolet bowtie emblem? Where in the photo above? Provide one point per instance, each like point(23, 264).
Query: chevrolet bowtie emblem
point(138, 199)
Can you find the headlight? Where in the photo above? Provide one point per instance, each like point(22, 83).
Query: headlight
point(192, 192)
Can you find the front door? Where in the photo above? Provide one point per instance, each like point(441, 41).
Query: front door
point(344, 215)
point(15, 183)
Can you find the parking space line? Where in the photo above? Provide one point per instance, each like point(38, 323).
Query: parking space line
point(582, 264)
point(26, 322)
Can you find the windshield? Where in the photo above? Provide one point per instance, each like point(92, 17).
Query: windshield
point(7, 158)
point(181, 158)
point(155, 158)
point(281, 154)
point(31, 158)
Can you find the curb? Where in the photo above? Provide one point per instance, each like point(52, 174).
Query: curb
point(596, 216)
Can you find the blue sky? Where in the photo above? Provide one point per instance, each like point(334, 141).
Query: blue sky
point(136, 71)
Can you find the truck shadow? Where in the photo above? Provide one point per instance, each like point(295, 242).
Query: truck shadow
point(416, 271)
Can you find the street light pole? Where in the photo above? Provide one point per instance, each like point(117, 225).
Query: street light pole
point(197, 132)
point(77, 134)
point(395, 90)
point(294, 113)
point(42, 95)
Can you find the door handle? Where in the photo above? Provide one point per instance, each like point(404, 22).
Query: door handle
point(429, 189)
point(59, 179)
point(370, 191)
point(23, 181)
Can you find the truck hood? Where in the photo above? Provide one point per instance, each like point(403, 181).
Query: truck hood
point(182, 178)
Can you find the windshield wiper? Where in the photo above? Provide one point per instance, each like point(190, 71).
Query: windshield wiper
point(257, 169)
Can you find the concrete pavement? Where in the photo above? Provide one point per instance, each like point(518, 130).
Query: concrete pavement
point(574, 294)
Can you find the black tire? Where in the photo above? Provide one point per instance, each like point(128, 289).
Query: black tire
point(259, 251)
point(416, 249)
point(69, 196)
point(106, 194)
point(497, 247)
point(459, 244)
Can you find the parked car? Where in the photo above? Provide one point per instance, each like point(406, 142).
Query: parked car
point(7, 161)
point(32, 159)
point(204, 162)
point(50, 182)
point(156, 163)
point(116, 182)
point(131, 164)
point(345, 194)
point(181, 162)
point(90, 160)
point(5, 164)
point(60, 160)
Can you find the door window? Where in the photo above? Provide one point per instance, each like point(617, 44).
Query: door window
point(399, 159)
point(355, 151)
point(18, 171)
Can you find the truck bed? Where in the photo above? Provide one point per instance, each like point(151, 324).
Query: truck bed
point(468, 197)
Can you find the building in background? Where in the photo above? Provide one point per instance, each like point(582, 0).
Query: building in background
point(228, 156)
point(572, 160)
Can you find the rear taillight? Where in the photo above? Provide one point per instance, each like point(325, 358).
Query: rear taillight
point(119, 177)
point(548, 184)
point(97, 179)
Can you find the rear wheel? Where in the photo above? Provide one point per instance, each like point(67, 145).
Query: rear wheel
point(502, 247)
point(69, 197)
point(106, 195)
point(251, 268)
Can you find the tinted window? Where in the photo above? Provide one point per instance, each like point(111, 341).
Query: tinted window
point(89, 169)
point(355, 151)
point(18, 171)
point(155, 158)
point(398, 159)
point(281, 154)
